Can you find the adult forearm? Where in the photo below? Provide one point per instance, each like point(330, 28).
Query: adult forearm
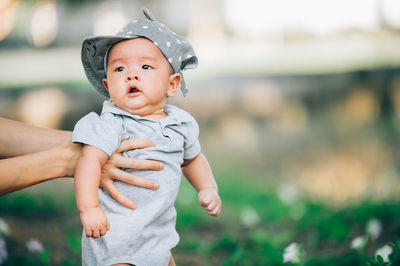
point(18, 138)
point(27, 170)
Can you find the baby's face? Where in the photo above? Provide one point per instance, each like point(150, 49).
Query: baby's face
point(139, 78)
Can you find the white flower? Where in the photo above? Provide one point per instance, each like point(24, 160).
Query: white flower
point(249, 217)
point(292, 253)
point(374, 228)
point(4, 228)
point(3, 251)
point(359, 242)
point(34, 245)
point(384, 252)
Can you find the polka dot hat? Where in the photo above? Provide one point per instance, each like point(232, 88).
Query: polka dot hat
point(176, 50)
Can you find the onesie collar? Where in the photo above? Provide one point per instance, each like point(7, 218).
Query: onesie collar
point(175, 115)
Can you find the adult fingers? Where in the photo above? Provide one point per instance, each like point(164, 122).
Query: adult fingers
point(136, 163)
point(130, 144)
point(134, 179)
point(117, 195)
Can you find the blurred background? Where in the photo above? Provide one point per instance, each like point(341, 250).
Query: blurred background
point(299, 108)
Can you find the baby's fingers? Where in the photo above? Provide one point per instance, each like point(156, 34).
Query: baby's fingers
point(204, 200)
point(214, 211)
point(96, 233)
point(105, 228)
point(214, 208)
point(88, 232)
point(103, 231)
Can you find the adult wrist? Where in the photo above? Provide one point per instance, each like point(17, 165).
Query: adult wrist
point(70, 155)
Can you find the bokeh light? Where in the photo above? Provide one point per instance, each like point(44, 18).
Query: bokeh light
point(110, 18)
point(44, 25)
point(8, 15)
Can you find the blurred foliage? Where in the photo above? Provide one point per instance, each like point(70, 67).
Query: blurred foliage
point(324, 233)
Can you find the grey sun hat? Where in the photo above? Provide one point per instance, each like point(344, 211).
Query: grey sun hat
point(176, 50)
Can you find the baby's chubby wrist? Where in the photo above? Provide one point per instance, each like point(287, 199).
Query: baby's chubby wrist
point(209, 198)
point(215, 189)
point(87, 208)
point(208, 193)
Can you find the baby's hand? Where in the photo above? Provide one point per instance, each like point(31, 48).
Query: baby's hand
point(95, 222)
point(210, 199)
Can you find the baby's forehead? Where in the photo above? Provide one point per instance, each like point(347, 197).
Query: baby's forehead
point(141, 49)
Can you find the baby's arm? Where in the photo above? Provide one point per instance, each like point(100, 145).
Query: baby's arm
point(86, 181)
point(199, 174)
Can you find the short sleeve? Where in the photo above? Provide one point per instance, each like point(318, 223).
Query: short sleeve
point(192, 143)
point(102, 132)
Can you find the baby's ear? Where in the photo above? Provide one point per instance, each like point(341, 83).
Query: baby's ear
point(105, 84)
point(174, 81)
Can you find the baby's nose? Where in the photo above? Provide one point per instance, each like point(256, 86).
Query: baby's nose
point(133, 76)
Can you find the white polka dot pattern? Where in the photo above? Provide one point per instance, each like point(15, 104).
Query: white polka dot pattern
point(178, 52)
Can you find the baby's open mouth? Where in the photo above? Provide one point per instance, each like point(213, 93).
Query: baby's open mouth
point(133, 90)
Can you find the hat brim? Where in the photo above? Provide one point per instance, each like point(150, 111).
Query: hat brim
point(94, 50)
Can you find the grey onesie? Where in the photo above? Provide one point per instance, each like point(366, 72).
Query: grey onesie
point(146, 235)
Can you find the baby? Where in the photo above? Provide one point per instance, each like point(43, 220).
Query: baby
point(138, 69)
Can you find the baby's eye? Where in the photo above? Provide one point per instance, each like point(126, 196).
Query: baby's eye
point(119, 69)
point(146, 67)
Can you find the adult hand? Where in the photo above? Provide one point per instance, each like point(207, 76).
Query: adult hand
point(111, 170)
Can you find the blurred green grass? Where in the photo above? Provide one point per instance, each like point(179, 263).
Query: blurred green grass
point(254, 227)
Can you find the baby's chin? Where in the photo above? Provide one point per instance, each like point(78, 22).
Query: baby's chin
point(140, 109)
